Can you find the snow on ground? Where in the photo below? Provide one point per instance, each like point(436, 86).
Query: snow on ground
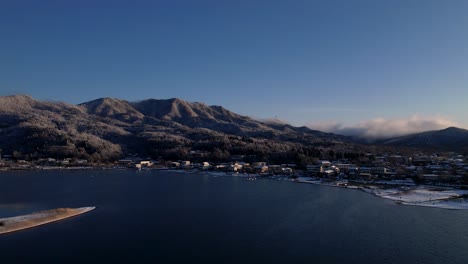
point(426, 196)
point(429, 196)
point(455, 204)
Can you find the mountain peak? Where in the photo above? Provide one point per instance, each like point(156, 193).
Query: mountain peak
point(453, 132)
point(112, 107)
point(452, 128)
point(166, 109)
point(453, 138)
point(14, 103)
point(177, 100)
point(17, 98)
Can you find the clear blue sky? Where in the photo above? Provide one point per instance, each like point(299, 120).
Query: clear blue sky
point(302, 61)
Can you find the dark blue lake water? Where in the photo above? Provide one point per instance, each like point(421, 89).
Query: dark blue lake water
point(163, 217)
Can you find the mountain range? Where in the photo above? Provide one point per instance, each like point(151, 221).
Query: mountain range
point(107, 129)
point(451, 138)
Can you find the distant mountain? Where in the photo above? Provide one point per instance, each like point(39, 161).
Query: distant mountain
point(217, 118)
point(451, 138)
point(112, 108)
point(198, 115)
point(108, 128)
point(34, 128)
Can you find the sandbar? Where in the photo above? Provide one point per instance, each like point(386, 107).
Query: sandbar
point(11, 224)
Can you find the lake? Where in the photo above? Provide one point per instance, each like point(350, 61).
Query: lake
point(167, 217)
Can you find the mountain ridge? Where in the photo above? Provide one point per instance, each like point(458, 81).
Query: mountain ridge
point(451, 138)
point(107, 128)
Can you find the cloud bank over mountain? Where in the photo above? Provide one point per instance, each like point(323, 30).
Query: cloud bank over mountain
point(380, 128)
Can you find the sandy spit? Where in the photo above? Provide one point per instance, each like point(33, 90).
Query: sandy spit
point(21, 222)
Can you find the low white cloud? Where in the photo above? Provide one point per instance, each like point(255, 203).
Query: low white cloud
point(379, 128)
point(272, 121)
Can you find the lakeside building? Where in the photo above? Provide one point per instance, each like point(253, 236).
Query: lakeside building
point(447, 168)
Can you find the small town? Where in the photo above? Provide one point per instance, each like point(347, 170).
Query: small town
point(448, 169)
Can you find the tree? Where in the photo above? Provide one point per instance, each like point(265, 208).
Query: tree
point(16, 154)
point(218, 155)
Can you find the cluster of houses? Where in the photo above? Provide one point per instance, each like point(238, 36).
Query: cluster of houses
point(436, 168)
point(448, 168)
point(325, 168)
point(237, 167)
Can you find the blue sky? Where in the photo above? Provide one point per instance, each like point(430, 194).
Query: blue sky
point(328, 64)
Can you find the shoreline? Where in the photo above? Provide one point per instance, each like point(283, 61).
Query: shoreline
point(443, 197)
point(409, 195)
point(400, 192)
point(17, 223)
